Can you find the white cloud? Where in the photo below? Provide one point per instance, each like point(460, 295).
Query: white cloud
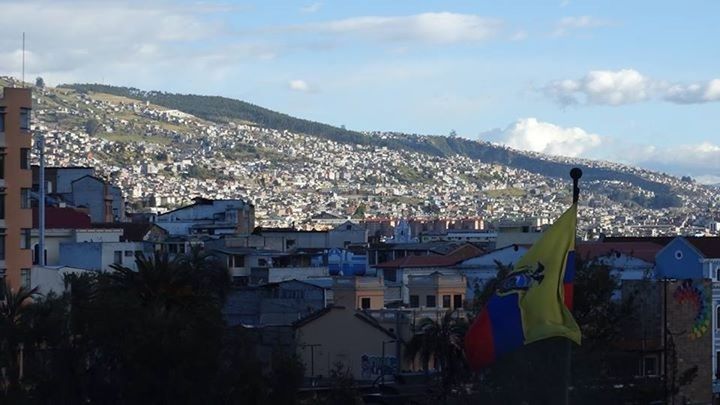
point(311, 8)
point(119, 41)
point(694, 93)
point(601, 87)
point(537, 136)
point(299, 85)
point(701, 160)
point(434, 28)
point(569, 24)
point(626, 86)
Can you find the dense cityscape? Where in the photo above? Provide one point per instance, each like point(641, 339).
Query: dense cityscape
point(345, 203)
point(162, 158)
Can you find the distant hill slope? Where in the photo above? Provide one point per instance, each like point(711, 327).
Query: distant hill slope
point(222, 109)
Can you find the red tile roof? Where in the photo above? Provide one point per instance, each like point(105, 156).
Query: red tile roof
point(62, 218)
point(640, 249)
point(463, 252)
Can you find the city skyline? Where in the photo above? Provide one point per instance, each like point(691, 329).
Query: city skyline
point(561, 77)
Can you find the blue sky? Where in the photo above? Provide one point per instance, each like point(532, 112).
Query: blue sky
point(635, 82)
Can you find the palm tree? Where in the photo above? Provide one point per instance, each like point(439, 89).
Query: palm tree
point(13, 327)
point(169, 327)
point(442, 342)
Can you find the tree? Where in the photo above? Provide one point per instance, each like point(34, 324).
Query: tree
point(13, 330)
point(453, 134)
point(91, 126)
point(40, 82)
point(441, 341)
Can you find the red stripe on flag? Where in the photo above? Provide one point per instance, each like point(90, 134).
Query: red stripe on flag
point(479, 346)
point(568, 289)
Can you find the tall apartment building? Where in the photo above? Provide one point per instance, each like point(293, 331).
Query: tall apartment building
point(15, 186)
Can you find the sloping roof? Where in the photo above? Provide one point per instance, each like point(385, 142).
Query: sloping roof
point(463, 252)
point(62, 218)
point(708, 246)
point(132, 231)
point(358, 314)
point(642, 250)
point(315, 315)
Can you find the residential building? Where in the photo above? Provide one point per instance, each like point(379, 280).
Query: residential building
point(690, 270)
point(274, 304)
point(15, 186)
point(350, 337)
point(437, 290)
point(210, 217)
point(359, 292)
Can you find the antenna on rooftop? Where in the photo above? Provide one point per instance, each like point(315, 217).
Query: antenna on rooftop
point(23, 60)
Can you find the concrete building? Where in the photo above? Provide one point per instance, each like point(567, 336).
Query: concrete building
point(78, 187)
point(211, 217)
point(103, 201)
point(274, 304)
point(437, 290)
point(691, 268)
point(343, 335)
point(291, 239)
point(359, 292)
point(15, 186)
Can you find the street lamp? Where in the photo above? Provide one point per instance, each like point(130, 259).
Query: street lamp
point(382, 364)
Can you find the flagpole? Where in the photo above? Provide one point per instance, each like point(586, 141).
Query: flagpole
point(575, 174)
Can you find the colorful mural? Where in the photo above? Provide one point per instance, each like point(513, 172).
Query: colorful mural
point(697, 294)
point(371, 365)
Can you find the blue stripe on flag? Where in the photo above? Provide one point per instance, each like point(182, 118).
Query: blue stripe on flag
point(570, 267)
point(507, 328)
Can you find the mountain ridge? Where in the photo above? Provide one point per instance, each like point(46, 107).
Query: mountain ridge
point(223, 109)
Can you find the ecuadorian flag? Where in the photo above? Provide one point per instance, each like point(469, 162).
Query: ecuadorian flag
point(533, 302)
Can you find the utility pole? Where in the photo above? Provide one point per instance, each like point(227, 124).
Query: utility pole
point(41, 203)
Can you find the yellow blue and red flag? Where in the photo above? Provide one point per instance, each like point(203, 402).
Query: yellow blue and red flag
point(533, 301)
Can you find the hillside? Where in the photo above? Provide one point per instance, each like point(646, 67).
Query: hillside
point(162, 157)
point(222, 109)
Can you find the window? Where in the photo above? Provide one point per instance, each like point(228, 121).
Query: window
point(430, 301)
point(25, 238)
point(173, 248)
point(390, 274)
point(365, 303)
point(289, 244)
point(414, 301)
point(2, 244)
point(446, 301)
point(117, 257)
point(2, 206)
point(24, 118)
point(2, 162)
point(25, 278)
point(457, 301)
point(2, 119)
point(717, 317)
point(181, 248)
point(25, 158)
point(128, 253)
point(650, 366)
point(25, 198)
